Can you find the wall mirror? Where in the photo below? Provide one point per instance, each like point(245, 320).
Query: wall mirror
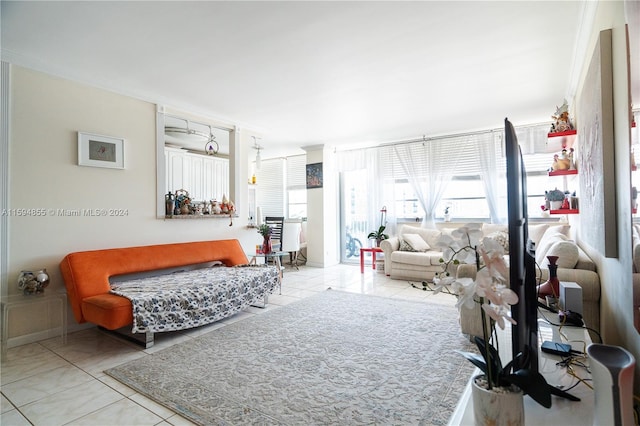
point(194, 158)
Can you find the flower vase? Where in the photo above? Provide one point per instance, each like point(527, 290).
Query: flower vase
point(556, 205)
point(266, 245)
point(552, 286)
point(170, 204)
point(498, 406)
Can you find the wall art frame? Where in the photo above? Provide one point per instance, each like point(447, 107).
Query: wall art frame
point(314, 175)
point(100, 151)
point(596, 153)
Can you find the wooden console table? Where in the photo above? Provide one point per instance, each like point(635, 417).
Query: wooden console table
point(562, 411)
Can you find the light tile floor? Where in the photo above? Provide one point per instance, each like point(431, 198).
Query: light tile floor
point(48, 383)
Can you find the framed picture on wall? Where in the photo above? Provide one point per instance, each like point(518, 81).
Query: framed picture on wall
point(314, 175)
point(596, 160)
point(100, 151)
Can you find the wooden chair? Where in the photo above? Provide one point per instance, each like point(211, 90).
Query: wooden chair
point(276, 223)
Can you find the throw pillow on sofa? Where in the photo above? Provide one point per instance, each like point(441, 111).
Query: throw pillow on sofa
point(537, 231)
point(551, 235)
point(501, 238)
point(567, 252)
point(546, 243)
point(405, 246)
point(416, 242)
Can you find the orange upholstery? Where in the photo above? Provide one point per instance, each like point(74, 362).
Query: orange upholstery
point(86, 274)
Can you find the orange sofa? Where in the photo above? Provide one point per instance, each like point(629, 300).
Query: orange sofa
point(86, 274)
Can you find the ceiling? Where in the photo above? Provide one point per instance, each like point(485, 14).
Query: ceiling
point(296, 74)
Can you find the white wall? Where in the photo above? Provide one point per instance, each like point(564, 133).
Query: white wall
point(46, 114)
point(615, 273)
point(323, 215)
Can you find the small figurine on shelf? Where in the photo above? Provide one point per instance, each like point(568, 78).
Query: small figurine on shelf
point(215, 207)
point(563, 161)
point(555, 197)
point(183, 202)
point(562, 122)
point(572, 164)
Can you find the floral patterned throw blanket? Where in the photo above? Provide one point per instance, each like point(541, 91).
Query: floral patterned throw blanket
point(190, 299)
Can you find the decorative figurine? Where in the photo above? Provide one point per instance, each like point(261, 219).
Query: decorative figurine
point(33, 282)
point(562, 121)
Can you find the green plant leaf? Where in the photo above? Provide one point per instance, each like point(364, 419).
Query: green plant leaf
point(532, 384)
point(475, 359)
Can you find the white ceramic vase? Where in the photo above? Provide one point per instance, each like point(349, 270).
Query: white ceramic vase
point(556, 205)
point(496, 407)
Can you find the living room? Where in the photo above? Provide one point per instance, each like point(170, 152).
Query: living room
point(48, 108)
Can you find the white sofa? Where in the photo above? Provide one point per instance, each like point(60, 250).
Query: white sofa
point(402, 264)
point(550, 239)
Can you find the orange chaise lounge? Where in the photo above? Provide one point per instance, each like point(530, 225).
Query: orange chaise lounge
point(88, 274)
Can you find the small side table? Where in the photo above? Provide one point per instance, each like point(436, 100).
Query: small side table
point(373, 251)
point(19, 300)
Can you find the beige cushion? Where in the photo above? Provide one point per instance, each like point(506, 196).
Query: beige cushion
point(546, 243)
point(429, 235)
point(636, 256)
point(567, 252)
point(501, 238)
point(537, 231)
point(490, 228)
point(424, 259)
point(416, 242)
point(562, 229)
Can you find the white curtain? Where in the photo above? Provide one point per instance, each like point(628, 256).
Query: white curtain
point(487, 157)
point(429, 167)
point(368, 162)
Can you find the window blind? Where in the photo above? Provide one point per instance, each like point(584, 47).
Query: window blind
point(296, 172)
point(271, 187)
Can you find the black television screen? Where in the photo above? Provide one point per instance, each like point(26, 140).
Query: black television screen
point(522, 274)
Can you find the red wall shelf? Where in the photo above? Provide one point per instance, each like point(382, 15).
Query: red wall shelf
point(565, 133)
point(563, 172)
point(565, 211)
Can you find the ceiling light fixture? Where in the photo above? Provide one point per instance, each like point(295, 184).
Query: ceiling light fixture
point(258, 148)
point(187, 133)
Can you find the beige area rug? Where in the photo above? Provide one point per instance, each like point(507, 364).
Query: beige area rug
point(332, 359)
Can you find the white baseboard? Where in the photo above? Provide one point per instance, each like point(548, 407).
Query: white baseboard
point(33, 337)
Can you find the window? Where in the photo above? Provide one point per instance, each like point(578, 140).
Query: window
point(282, 187)
point(465, 192)
point(296, 187)
point(270, 193)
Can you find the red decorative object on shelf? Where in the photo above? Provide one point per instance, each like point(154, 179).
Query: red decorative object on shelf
point(552, 286)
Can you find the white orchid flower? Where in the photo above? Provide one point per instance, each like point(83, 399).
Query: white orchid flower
point(465, 288)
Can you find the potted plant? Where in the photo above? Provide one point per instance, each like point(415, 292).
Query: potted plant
point(447, 215)
point(488, 294)
point(378, 235)
point(265, 231)
point(555, 197)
